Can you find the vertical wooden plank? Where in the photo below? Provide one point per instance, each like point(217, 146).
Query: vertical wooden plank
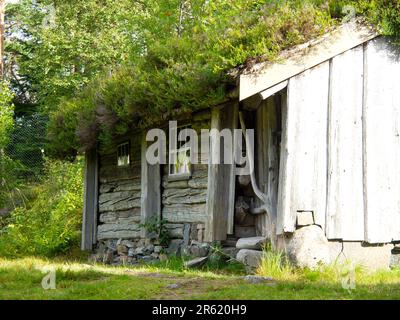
point(267, 160)
point(345, 203)
point(221, 182)
point(307, 125)
point(232, 173)
point(381, 123)
point(151, 187)
point(89, 221)
point(283, 202)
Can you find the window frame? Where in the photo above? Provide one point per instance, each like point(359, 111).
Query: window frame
point(127, 146)
point(174, 175)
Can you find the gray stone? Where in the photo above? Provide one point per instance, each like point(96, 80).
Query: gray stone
point(254, 279)
point(175, 230)
point(175, 247)
point(305, 218)
point(173, 286)
point(117, 230)
point(198, 262)
point(157, 249)
point(128, 243)
point(199, 249)
point(308, 247)
point(155, 255)
point(122, 250)
point(111, 244)
point(395, 261)
point(149, 249)
point(248, 257)
point(230, 252)
point(108, 256)
point(131, 252)
point(251, 243)
point(147, 258)
point(186, 234)
point(139, 250)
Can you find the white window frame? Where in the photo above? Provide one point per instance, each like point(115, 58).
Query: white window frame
point(123, 154)
point(183, 171)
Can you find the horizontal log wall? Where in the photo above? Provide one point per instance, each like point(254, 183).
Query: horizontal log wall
point(119, 193)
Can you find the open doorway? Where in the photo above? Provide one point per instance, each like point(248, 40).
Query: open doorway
point(265, 117)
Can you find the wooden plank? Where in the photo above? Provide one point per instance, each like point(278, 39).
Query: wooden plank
point(271, 91)
point(284, 189)
point(267, 160)
point(89, 222)
point(231, 183)
point(306, 146)
point(345, 202)
point(265, 75)
point(221, 184)
point(381, 123)
point(151, 188)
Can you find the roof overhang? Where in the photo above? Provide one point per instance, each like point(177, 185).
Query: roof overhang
point(266, 75)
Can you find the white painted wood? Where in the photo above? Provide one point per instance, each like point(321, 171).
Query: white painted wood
point(345, 203)
point(271, 91)
point(265, 75)
point(306, 146)
point(382, 141)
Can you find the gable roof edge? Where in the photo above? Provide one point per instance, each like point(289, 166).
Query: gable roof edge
point(263, 76)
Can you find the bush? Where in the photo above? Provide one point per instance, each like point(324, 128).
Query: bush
point(50, 223)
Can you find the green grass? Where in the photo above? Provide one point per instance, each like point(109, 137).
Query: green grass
point(21, 279)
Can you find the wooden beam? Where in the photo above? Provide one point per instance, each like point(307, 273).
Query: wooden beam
point(90, 206)
point(291, 63)
point(151, 188)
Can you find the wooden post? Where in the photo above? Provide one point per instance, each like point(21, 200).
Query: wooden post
point(151, 188)
point(90, 208)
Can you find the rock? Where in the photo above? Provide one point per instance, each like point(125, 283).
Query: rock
point(175, 230)
point(155, 255)
point(149, 249)
point(198, 262)
point(186, 234)
point(251, 243)
point(199, 249)
point(173, 286)
point(122, 250)
point(305, 218)
point(254, 279)
point(147, 258)
point(248, 257)
point(129, 244)
point(230, 252)
point(157, 249)
point(174, 247)
point(139, 250)
point(108, 256)
point(131, 252)
point(308, 247)
point(111, 244)
point(200, 232)
point(395, 257)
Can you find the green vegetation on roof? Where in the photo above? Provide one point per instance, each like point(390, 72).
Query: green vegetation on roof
point(172, 56)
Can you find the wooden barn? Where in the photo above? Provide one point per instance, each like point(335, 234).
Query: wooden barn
point(326, 118)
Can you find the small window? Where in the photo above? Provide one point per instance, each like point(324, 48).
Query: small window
point(123, 154)
point(179, 160)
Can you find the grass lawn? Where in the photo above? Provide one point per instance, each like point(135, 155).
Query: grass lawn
point(21, 279)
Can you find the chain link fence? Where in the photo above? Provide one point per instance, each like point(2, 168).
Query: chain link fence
point(26, 147)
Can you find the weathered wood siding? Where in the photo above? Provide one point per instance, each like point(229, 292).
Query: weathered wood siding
point(345, 206)
point(306, 147)
point(267, 159)
point(120, 193)
point(341, 145)
point(382, 141)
